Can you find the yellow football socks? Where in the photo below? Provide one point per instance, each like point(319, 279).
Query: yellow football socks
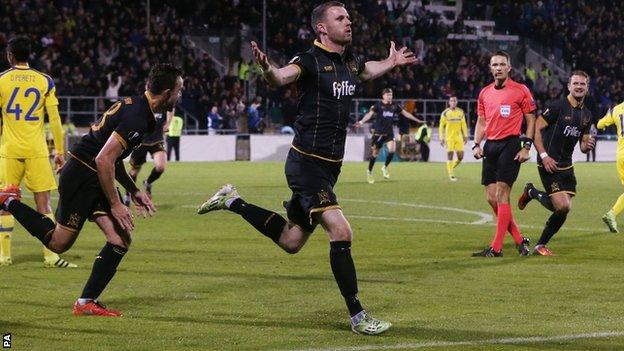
point(619, 205)
point(47, 254)
point(449, 167)
point(6, 229)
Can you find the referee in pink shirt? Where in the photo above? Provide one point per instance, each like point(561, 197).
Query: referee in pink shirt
point(501, 107)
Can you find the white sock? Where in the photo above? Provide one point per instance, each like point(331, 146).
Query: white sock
point(229, 201)
point(83, 302)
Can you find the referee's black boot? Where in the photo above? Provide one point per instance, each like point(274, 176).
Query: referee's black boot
point(489, 252)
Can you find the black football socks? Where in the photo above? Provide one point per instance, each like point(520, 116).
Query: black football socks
point(553, 225)
point(38, 225)
point(269, 223)
point(154, 175)
point(389, 158)
point(104, 268)
point(344, 273)
point(543, 198)
point(371, 163)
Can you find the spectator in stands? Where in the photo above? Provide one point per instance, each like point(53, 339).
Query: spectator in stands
point(254, 121)
point(214, 120)
point(112, 92)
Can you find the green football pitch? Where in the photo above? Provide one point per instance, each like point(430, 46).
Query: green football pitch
point(212, 283)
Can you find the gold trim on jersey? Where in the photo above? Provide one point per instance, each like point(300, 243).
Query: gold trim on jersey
point(322, 46)
point(574, 102)
point(111, 111)
point(150, 101)
point(81, 161)
point(299, 71)
point(559, 168)
point(314, 155)
point(323, 209)
point(120, 139)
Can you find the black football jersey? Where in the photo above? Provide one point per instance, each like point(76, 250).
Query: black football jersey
point(566, 126)
point(386, 116)
point(327, 83)
point(128, 120)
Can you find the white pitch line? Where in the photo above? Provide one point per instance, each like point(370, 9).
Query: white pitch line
point(485, 217)
point(506, 341)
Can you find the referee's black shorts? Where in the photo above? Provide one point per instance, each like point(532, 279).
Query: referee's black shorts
point(498, 161)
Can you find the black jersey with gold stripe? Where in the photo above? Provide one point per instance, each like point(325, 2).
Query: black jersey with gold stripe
point(568, 120)
point(327, 83)
point(128, 120)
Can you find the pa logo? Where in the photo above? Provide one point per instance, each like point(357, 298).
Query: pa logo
point(6, 341)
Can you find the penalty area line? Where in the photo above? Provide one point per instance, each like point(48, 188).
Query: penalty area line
point(501, 341)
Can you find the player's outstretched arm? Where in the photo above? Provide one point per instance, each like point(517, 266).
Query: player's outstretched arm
point(374, 69)
point(365, 119)
point(408, 115)
point(276, 77)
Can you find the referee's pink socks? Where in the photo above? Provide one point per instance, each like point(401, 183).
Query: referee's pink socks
point(512, 229)
point(504, 218)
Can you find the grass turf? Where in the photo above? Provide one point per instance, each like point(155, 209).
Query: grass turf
point(212, 283)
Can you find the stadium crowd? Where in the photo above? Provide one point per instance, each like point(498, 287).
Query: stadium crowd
point(581, 33)
point(76, 46)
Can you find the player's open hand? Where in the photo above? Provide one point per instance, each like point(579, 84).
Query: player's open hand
point(550, 165)
point(123, 216)
point(261, 58)
point(403, 56)
point(522, 155)
point(143, 204)
point(59, 162)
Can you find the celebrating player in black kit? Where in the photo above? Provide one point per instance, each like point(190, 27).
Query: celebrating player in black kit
point(154, 143)
point(87, 185)
point(326, 76)
point(387, 115)
point(557, 131)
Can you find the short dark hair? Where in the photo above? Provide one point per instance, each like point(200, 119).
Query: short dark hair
point(162, 76)
point(578, 72)
point(318, 14)
point(502, 53)
point(386, 90)
point(19, 47)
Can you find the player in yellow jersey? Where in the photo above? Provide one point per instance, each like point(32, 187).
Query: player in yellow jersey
point(615, 116)
point(24, 92)
point(453, 134)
